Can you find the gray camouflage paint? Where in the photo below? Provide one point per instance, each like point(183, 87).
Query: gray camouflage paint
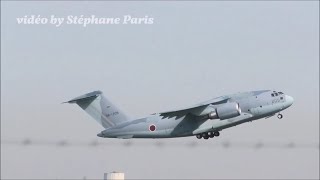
point(180, 123)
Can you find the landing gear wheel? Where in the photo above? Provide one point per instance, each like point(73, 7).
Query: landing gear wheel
point(217, 133)
point(280, 116)
point(205, 135)
point(199, 136)
point(211, 135)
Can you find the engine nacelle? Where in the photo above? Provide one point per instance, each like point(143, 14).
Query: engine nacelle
point(225, 111)
point(228, 110)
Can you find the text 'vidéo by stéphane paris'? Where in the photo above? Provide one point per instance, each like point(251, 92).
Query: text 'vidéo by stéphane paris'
point(84, 21)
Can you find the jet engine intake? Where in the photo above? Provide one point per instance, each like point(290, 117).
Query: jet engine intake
point(225, 111)
point(228, 110)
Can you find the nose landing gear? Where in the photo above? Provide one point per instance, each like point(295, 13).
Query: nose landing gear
point(280, 116)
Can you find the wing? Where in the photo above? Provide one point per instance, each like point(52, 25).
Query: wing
point(195, 108)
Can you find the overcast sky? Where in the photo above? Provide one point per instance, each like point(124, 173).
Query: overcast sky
point(192, 52)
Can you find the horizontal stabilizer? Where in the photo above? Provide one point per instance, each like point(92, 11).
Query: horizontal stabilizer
point(93, 94)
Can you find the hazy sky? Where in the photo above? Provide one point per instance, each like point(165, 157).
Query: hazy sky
point(192, 52)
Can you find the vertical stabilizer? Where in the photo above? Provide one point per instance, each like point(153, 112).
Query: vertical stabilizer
point(100, 109)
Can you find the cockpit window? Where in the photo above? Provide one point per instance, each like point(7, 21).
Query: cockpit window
point(280, 92)
point(276, 94)
point(272, 95)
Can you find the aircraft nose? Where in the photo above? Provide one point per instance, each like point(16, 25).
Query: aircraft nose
point(289, 100)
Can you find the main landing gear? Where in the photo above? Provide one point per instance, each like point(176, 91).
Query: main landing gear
point(208, 135)
point(280, 116)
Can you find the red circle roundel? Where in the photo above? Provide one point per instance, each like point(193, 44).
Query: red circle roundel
point(152, 127)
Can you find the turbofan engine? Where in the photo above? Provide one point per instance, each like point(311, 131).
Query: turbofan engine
point(225, 111)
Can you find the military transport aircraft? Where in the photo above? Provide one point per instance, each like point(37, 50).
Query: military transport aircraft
point(203, 120)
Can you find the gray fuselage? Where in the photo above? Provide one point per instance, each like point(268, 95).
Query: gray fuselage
point(254, 105)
